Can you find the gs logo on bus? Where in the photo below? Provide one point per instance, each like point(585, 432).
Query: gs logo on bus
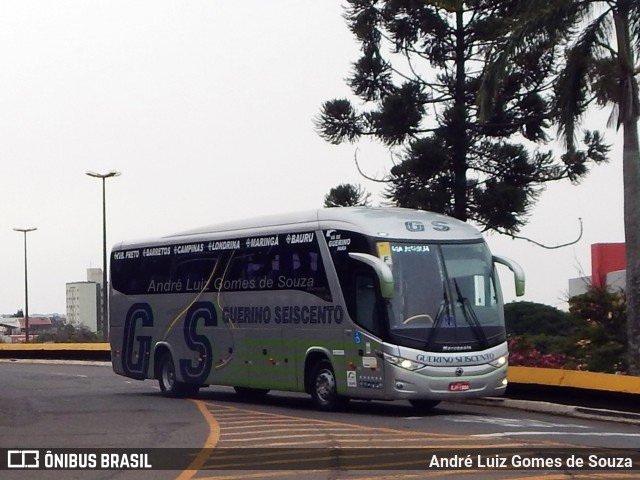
point(437, 225)
point(199, 343)
point(414, 226)
point(136, 348)
point(136, 363)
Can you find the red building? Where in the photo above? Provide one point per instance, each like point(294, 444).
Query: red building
point(15, 329)
point(606, 258)
point(607, 268)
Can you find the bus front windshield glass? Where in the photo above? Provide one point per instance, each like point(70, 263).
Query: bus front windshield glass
point(445, 296)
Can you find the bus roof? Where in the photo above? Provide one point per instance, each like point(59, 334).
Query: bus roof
point(392, 222)
point(386, 222)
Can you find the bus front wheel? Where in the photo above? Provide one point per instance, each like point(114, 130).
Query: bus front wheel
point(324, 391)
point(169, 386)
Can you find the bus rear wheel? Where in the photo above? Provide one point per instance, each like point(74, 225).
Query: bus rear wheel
point(169, 386)
point(324, 390)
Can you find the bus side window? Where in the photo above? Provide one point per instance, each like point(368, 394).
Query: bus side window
point(194, 269)
point(258, 265)
point(305, 264)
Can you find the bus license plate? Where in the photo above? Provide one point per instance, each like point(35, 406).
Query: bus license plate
point(458, 386)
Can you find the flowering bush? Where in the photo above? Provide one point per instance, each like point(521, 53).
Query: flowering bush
point(522, 354)
point(591, 336)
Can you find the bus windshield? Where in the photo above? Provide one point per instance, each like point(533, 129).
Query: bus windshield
point(445, 296)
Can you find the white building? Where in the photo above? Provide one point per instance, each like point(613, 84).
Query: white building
point(84, 301)
point(94, 275)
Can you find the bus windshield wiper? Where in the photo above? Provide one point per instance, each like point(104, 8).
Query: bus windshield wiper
point(469, 315)
point(443, 309)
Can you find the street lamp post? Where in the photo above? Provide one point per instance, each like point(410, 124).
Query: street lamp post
point(105, 297)
point(26, 283)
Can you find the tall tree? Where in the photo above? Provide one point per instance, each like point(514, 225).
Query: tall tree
point(420, 72)
point(347, 195)
point(602, 41)
point(604, 338)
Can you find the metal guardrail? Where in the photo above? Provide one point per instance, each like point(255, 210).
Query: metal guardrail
point(552, 377)
point(520, 376)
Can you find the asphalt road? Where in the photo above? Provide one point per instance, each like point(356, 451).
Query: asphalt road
point(78, 405)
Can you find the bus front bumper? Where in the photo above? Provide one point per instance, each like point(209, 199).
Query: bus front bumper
point(446, 384)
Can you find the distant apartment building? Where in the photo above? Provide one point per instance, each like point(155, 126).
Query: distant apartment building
point(84, 300)
point(94, 275)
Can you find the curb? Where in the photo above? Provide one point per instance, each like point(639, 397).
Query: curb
point(559, 409)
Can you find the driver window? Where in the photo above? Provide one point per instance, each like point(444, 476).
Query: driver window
point(366, 302)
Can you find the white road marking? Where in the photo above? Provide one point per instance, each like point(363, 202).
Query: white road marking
point(510, 422)
point(591, 434)
point(69, 374)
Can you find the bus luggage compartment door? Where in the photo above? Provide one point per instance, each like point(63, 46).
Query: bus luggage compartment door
point(269, 360)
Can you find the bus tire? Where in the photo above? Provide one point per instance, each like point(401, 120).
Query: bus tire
point(251, 392)
point(169, 386)
point(324, 389)
point(424, 405)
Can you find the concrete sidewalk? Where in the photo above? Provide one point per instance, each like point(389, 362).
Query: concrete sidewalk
point(560, 409)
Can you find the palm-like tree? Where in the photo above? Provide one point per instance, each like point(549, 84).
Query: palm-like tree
point(601, 41)
point(347, 195)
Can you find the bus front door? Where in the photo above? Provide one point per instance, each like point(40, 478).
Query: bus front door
point(362, 347)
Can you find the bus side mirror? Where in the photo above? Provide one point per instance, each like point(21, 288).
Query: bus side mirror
point(518, 273)
point(383, 271)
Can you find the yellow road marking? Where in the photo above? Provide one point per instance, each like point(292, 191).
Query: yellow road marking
point(271, 416)
point(228, 416)
point(211, 442)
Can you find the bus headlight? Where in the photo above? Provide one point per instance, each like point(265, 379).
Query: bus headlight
point(403, 362)
point(499, 362)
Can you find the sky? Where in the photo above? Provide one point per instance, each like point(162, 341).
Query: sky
point(206, 108)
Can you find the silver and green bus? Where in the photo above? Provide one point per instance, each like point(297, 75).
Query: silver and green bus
point(340, 303)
